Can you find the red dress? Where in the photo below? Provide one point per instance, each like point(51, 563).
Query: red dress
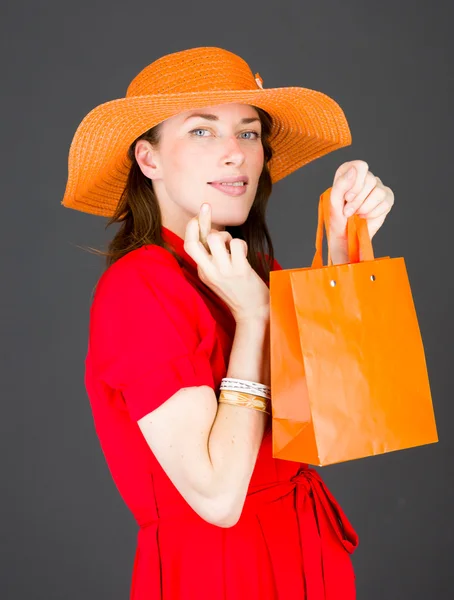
point(154, 328)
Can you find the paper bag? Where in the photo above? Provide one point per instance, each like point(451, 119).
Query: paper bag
point(348, 371)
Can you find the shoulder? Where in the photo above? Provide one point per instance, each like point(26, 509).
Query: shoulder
point(145, 290)
point(146, 280)
point(138, 270)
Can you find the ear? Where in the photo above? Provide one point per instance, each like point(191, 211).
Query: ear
point(147, 159)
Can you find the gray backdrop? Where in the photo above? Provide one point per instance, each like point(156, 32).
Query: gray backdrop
point(66, 533)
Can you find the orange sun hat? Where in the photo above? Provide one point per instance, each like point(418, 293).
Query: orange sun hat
point(306, 124)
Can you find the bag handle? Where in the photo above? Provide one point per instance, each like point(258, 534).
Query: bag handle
point(357, 234)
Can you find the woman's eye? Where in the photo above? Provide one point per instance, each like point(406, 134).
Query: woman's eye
point(196, 132)
point(249, 133)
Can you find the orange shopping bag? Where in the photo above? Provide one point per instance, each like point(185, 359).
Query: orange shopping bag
point(348, 370)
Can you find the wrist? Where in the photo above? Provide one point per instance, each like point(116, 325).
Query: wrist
point(258, 318)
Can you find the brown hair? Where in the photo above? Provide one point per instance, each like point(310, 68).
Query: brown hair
point(139, 213)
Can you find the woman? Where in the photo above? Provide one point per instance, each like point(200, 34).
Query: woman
point(177, 369)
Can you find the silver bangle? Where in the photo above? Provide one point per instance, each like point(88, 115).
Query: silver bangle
point(243, 385)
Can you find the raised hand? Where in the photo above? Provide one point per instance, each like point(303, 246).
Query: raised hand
point(222, 265)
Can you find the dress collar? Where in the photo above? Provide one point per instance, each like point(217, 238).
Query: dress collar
point(178, 244)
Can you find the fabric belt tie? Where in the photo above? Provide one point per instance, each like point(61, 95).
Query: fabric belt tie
point(326, 536)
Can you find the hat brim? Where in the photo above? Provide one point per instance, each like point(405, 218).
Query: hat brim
point(307, 124)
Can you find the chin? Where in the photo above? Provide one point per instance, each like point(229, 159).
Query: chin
point(229, 218)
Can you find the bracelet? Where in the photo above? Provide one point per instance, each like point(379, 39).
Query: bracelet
point(243, 385)
point(244, 400)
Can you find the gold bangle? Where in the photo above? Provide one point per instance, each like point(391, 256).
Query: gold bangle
point(244, 399)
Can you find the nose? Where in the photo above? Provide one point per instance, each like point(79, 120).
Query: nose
point(233, 153)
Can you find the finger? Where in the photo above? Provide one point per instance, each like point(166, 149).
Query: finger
point(227, 237)
point(204, 217)
point(353, 204)
point(362, 170)
point(381, 209)
point(238, 252)
point(194, 247)
point(376, 196)
point(219, 252)
point(341, 185)
point(205, 228)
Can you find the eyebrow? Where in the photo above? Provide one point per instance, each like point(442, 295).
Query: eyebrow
point(210, 117)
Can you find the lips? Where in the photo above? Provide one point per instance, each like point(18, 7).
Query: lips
point(233, 184)
point(233, 179)
point(231, 189)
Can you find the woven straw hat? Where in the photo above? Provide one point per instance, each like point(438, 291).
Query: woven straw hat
point(306, 124)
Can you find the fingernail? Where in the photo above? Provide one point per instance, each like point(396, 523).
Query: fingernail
point(205, 208)
point(349, 211)
point(350, 173)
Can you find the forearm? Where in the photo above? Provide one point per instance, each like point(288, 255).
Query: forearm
point(237, 432)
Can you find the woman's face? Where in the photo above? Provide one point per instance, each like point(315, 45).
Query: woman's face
point(198, 151)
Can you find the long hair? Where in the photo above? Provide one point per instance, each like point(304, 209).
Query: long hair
point(139, 213)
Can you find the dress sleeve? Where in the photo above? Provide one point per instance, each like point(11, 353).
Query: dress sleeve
point(147, 335)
